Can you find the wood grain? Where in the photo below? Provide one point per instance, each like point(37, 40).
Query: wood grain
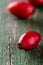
point(11, 29)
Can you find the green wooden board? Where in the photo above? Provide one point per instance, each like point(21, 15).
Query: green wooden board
point(10, 30)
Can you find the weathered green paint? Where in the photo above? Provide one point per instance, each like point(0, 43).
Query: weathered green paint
point(10, 30)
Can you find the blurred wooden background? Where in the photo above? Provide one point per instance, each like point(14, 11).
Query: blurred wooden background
point(10, 30)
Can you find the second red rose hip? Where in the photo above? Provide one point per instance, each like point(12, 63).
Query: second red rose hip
point(29, 40)
point(36, 2)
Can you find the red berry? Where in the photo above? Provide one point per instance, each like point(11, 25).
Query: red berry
point(21, 9)
point(36, 2)
point(29, 40)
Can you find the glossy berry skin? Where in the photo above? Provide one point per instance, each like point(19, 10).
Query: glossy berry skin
point(21, 9)
point(36, 2)
point(29, 40)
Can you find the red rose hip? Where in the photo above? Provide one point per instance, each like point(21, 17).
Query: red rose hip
point(36, 2)
point(29, 40)
point(21, 9)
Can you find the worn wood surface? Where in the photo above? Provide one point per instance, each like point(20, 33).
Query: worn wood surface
point(10, 30)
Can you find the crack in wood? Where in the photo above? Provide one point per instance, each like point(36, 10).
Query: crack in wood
point(9, 48)
point(9, 42)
